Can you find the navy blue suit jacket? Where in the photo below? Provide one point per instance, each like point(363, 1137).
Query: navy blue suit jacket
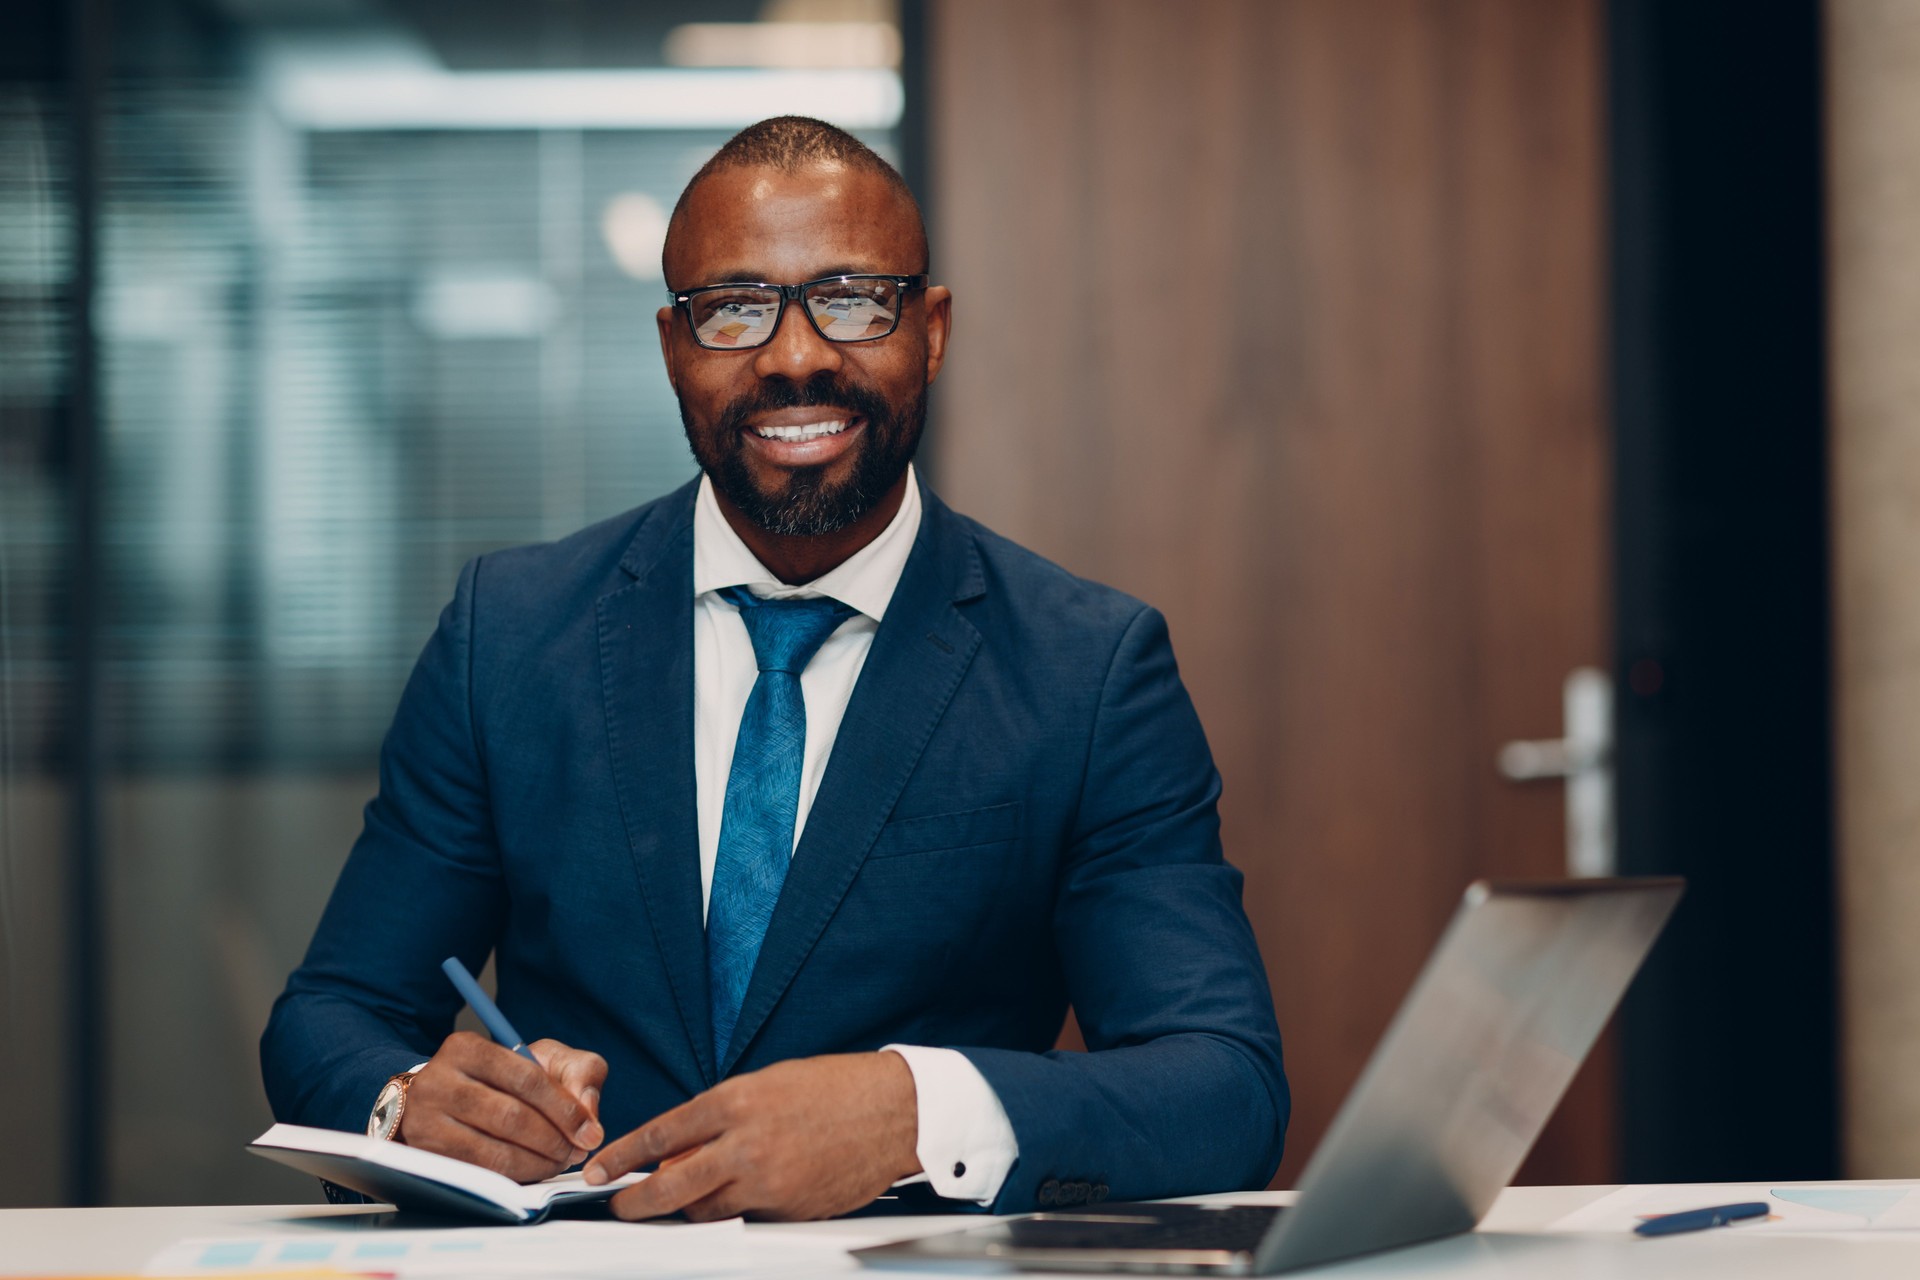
point(1019, 809)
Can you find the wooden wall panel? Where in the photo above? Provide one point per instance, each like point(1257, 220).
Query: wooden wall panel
point(1873, 245)
point(1284, 315)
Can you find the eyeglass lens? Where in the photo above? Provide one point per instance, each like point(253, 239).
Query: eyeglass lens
point(842, 310)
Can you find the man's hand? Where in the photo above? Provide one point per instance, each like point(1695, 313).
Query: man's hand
point(479, 1102)
point(808, 1138)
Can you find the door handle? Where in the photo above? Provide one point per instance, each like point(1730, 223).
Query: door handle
point(1584, 759)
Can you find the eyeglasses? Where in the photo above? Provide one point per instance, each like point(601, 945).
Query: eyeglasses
point(734, 317)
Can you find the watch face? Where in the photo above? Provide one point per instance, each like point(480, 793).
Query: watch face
point(385, 1112)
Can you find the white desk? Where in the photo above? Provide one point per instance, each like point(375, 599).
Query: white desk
point(1510, 1244)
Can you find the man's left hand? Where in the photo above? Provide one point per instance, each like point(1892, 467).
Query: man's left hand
point(807, 1138)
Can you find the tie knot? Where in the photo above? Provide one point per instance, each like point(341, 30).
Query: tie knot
point(786, 633)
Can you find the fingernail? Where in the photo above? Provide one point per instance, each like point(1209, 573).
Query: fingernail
point(590, 1099)
point(590, 1134)
point(577, 1156)
point(595, 1175)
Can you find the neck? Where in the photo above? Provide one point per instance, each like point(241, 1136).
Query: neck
point(798, 558)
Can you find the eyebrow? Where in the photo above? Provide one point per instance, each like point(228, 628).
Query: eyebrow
point(739, 275)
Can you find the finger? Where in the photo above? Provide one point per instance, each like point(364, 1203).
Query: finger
point(528, 1081)
point(448, 1136)
point(670, 1133)
point(508, 1119)
point(725, 1202)
point(672, 1189)
point(579, 1073)
point(445, 1088)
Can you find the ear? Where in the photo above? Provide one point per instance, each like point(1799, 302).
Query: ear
point(664, 319)
point(939, 305)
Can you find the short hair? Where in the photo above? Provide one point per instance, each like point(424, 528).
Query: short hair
point(789, 144)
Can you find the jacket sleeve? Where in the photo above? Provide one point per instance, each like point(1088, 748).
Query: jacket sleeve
point(423, 882)
point(1182, 1090)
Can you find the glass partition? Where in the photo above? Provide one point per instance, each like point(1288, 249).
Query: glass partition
point(374, 293)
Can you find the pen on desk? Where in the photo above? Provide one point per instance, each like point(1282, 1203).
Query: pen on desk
point(1718, 1215)
point(497, 1025)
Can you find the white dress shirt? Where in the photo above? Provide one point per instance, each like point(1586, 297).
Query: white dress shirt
point(966, 1143)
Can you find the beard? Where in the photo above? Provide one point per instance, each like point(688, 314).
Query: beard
point(809, 505)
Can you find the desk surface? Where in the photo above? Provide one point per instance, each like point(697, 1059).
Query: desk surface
point(1510, 1244)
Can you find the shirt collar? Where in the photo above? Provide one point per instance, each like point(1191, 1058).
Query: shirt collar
point(866, 581)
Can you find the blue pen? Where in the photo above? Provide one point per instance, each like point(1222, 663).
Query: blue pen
point(1718, 1215)
point(497, 1025)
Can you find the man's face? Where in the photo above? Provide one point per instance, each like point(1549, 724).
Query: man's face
point(755, 224)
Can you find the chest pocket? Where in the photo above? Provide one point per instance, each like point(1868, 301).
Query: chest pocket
point(996, 824)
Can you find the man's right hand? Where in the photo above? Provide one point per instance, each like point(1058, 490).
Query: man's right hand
point(482, 1103)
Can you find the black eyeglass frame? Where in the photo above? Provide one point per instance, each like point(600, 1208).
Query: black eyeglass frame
point(683, 302)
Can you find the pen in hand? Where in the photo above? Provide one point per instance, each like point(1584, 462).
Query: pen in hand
point(496, 1022)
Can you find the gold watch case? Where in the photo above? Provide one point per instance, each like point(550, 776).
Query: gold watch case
point(390, 1107)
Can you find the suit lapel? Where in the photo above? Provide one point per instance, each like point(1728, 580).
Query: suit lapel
point(646, 663)
point(919, 654)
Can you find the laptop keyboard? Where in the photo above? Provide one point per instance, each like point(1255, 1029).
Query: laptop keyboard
point(1234, 1228)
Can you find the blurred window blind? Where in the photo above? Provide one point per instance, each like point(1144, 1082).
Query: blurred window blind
point(35, 265)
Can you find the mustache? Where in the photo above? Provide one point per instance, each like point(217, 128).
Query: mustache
point(823, 391)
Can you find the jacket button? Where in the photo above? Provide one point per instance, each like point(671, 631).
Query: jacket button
point(1099, 1192)
point(1049, 1191)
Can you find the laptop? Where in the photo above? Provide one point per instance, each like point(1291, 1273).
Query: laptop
point(1456, 1092)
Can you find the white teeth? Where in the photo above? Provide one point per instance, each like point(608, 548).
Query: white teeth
point(807, 431)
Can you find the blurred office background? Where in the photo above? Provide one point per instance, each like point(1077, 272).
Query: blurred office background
point(1487, 390)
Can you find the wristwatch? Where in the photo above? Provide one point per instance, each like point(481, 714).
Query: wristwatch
point(390, 1107)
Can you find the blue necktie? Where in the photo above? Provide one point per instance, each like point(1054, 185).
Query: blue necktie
point(763, 794)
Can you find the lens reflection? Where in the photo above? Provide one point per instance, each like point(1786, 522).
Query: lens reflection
point(844, 309)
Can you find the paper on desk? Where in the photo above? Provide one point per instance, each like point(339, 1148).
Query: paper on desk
point(549, 1250)
point(1837, 1208)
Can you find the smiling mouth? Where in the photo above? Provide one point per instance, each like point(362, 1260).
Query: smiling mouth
point(804, 431)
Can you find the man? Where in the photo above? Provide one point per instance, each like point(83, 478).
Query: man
point(794, 807)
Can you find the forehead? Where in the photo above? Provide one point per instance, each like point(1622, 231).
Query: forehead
point(759, 223)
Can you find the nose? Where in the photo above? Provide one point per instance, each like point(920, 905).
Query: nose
point(796, 351)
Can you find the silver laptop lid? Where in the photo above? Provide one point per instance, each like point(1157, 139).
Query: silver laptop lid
point(1472, 1066)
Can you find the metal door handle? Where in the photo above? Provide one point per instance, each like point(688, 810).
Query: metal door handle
point(1584, 757)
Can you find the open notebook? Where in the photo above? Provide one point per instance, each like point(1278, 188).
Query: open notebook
point(421, 1180)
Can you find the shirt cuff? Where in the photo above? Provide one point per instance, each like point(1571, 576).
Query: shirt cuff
point(966, 1144)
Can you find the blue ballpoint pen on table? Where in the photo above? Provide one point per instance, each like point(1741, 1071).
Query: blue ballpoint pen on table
point(497, 1025)
point(1718, 1215)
